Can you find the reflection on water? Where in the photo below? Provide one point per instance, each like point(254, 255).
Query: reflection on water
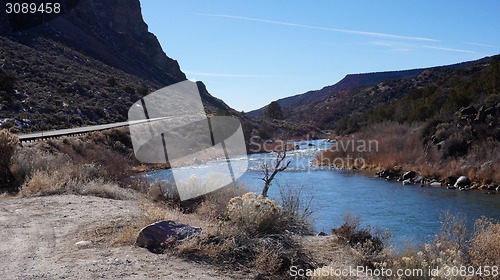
point(409, 212)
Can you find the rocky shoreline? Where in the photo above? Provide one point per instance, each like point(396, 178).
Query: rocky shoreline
point(461, 183)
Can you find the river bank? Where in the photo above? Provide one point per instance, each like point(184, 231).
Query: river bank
point(398, 152)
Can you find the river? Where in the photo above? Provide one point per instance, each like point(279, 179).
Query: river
point(409, 212)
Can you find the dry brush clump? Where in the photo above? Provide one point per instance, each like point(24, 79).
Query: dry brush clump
point(71, 179)
point(254, 214)
point(368, 243)
point(8, 144)
point(448, 251)
point(379, 146)
point(253, 232)
point(408, 147)
point(484, 247)
point(95, 164)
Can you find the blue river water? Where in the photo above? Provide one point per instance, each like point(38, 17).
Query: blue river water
point(409, 212)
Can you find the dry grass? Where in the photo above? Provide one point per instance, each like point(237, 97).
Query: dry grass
point(268, 260)
point(214, 204)
point(67, 180)
point(8, 144)
point(125, 231)
point(447, 250)
point(254, 214)
point(96, 164)
point(402, 145)
point(383, 145)
point(484, 246)
point(251, 233)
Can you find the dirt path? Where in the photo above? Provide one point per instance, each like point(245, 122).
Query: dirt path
point(38, 239)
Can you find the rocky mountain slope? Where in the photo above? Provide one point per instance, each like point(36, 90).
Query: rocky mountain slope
point(348, 82)
point(86, 66)
point(332, 106)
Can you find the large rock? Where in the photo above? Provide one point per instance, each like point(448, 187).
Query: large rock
point(388, 174)
point(462, 181)
point(451, 180)
point(155, 235)
point(408, 175)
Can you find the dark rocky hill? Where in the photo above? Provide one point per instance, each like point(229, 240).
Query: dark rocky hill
point(350, 81)
point(338, 106)
point(86, 66)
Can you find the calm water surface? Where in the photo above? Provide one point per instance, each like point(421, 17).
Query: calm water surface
point(409, 212)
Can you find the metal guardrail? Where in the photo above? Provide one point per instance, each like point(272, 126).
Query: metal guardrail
point(77, 130)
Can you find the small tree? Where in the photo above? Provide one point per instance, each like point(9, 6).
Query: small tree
point(8, 143)
point(273, 111)
point(269, 172)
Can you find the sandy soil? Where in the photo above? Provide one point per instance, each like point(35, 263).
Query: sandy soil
point(38, 239)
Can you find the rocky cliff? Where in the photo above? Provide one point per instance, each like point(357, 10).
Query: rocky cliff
point(84, 66)
point(111, 31)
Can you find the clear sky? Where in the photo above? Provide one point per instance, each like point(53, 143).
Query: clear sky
point(250, 53)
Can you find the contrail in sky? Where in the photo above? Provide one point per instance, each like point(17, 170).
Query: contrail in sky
point(355, 32)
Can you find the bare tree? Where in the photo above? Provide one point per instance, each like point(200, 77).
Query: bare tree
point(269, 171)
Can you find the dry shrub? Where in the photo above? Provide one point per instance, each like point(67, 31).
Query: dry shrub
point(403, 145)
point(29, 160)
point(369, 243)
point(268, 260)
point(8, 144)
point(253, 233)
point(214, 204)
point(104, 189)
point(69, 179)
point(111, 163)
point(297, 210)
point(483, 161)
point(43, 183)
point(382, 145)
point(445, 252)
point(254, 214)
point(484, 246)
point(164, 191)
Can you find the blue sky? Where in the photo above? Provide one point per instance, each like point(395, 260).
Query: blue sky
point(250, 53)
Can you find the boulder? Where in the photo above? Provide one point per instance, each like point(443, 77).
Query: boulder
point(408, 175)
point(435, 184)
point(419, 180)
point(451, 180)
point(407, 182)
point(462, 181)
point(387, 173)
point(155, 235)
